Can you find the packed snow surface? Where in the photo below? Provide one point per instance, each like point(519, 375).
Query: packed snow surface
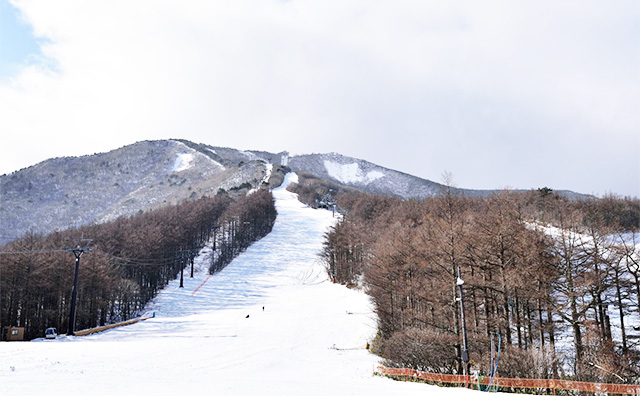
point(269, 324)
point(350, 173)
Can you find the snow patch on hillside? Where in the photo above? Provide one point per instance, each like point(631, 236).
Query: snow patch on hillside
point(265, 178)
point(267, 173)
point(182, 162)
point(350, 173)
point(374, 175)
point(189, 162)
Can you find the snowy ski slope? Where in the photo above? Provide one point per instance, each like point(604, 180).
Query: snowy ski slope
point(214, 337)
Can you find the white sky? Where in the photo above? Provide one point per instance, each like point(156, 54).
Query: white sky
point(519, 94)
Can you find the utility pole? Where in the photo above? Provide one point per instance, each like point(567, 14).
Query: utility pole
point(192, 256)
point(182, 253)
point(185, 254)
point(81, 247)
point(465, 348)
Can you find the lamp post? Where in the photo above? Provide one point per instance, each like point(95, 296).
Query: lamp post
point(465, 349)
point(81, 247)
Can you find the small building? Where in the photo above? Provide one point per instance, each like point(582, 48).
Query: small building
point(12, 333)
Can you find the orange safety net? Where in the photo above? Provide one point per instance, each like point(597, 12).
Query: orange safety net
point(622, 389)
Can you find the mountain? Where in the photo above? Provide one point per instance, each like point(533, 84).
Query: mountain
point(375, 179)
point(366, 176)
point(66, 192)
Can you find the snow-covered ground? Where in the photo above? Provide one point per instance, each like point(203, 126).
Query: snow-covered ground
point(269, 324)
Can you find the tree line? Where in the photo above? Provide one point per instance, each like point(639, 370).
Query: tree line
point(132, 258)
point(558, 280)
point(241, 225)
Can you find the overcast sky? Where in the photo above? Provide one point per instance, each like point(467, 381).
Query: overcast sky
point(520, 94)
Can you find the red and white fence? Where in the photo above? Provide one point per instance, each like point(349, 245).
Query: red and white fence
point(515, 383)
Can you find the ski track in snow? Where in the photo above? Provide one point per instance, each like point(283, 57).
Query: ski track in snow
point(309, 339)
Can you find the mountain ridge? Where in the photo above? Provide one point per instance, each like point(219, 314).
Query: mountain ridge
point(66, 192)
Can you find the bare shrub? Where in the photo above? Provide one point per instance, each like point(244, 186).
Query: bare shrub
point(421, 349)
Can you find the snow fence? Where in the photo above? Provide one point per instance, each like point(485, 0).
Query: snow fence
point(511, 383)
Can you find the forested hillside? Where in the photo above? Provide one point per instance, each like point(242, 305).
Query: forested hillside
point(131, 259)
point(75, 191)
point(557, 279)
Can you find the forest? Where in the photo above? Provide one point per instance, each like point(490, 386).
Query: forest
point(130, 260)
point(556, 281)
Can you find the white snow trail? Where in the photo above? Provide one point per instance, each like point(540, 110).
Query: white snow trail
point(270, 323)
